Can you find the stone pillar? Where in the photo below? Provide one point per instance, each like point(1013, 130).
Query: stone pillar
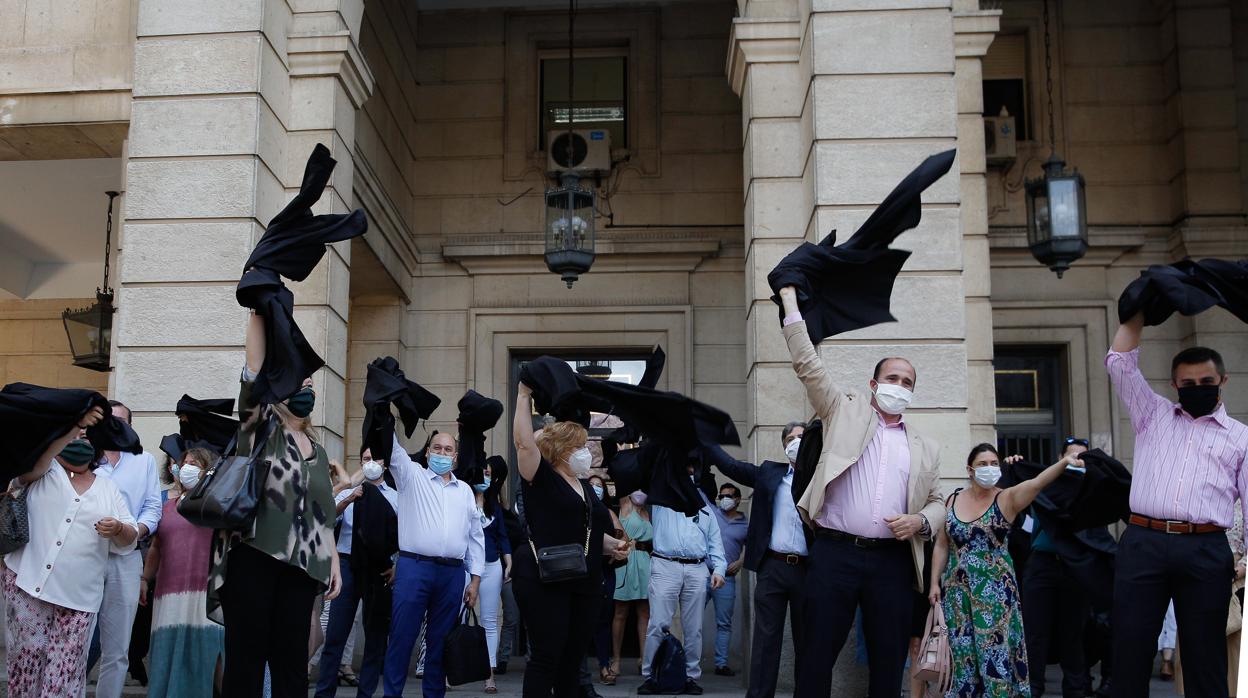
point(217, 145)
point(974, 30)
point(840, 99)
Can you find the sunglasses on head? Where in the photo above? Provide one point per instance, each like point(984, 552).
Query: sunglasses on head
point(1071, 441)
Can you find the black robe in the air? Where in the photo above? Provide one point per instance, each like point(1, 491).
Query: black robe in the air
point(848, 286)
point(32, 417)
point(387, 385)
point(1187, 287)
point(292, 246)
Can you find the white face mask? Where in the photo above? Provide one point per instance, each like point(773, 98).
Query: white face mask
point(580, 461)
point(188, 475)
point(727, 503)
point(892, 399)
point(987, 475)
point(372, 470)
point(792, 448)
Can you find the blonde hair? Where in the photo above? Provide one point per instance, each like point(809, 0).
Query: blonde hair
point(556, 441)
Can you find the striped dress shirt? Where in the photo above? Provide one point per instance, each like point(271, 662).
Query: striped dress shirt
point(1184, 469)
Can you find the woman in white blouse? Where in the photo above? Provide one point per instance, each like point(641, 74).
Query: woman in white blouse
point(53, 585)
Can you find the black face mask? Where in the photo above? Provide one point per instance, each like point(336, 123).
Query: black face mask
point(301, 403)
point(1199, 400)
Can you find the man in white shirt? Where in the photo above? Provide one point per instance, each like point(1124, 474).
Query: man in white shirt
point(440, 538)
point(139, 484)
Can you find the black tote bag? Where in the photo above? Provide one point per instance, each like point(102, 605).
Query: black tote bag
point(228, 494)
point(465, 656)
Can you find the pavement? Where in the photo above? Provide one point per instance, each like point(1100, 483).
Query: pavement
point(510, 686)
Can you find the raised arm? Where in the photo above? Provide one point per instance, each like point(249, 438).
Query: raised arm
point(739, 470)
point(528, 458)
point(1019, 497)
point(254, 347)
point(401, 465)
point(91, 418)
point(820, 390)
point(1128, 336)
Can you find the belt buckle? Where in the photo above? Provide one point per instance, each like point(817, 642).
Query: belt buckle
point(861, 542)
point(1171, 531)
point(792, 559)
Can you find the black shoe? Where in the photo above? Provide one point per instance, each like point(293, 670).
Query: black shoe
point(724, 671)
point(589, 692)
point(691, 688)
point(648, 688)
point(500, 669)
point(1104, 689)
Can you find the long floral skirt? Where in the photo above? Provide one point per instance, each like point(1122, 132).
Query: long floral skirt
point(47, 645)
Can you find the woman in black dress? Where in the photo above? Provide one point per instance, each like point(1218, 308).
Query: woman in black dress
point(560, 616)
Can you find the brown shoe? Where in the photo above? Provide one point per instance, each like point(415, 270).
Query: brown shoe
point(607, 677)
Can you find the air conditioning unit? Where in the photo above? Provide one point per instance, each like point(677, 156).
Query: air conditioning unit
point(590, 152)
point(1000, 139)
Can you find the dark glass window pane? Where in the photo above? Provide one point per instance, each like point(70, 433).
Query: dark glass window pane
point(1011, 94)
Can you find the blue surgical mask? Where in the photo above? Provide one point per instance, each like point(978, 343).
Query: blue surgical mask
point(441, 464)
point(598, 491)
point(483, 486)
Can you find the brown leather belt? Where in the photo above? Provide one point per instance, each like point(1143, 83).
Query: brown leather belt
point(681, 560)
point(1175, 527)
point(644, 546)
point(790, 559)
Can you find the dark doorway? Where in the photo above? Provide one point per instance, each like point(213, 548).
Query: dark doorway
point(1031, 401)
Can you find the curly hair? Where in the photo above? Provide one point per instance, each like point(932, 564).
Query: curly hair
point(557, 441)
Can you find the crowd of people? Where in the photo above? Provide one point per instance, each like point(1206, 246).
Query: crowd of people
point(852, 527)
point(866, 533)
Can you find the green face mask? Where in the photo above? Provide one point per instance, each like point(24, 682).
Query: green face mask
point(302, 402)
point(78, 452)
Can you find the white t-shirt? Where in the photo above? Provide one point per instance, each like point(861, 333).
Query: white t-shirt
point(66, 560)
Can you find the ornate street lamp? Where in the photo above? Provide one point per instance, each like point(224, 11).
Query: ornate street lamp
point(90, 329)
point(1057, 207)
point(569, 229)
point(570, 207)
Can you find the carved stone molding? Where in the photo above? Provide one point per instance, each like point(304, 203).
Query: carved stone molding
point(973, 32)
point(616, 251)
point(760, 41)
point(316, 51)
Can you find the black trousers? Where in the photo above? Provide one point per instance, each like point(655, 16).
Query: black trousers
point(843, 578)
point(560, 622)
point(267, 606)
point(1055, 611)
point(779, 589)
point(1196, 570)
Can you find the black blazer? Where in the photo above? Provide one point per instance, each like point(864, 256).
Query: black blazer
point(765, 479)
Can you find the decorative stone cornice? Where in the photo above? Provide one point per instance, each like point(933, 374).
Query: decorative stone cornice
point(1224, 238)
point(336, 54)
point(974, 31)
point(616, 250)
point(760, 41)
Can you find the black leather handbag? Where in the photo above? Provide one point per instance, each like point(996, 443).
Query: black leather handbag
point(559, 563)
point(228, 494)
point(14, 524)
point(465, 654)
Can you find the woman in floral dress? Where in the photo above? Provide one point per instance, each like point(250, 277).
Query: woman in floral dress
point(972, 566)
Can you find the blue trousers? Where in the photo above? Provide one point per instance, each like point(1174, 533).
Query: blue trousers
point(724, 598)
point(341, 618)
point(421, 588)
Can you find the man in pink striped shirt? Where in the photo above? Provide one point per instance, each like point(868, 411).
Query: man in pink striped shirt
point(1188, 471)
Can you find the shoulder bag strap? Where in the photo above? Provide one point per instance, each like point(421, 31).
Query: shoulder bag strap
point(589, 525)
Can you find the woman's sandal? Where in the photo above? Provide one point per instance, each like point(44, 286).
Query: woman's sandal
point(607, 676)
point(346, 677)
point(490, 686)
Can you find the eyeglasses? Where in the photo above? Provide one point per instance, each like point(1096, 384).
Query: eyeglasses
point(1071, 441)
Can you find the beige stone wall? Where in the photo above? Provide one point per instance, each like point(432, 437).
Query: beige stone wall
point(65, 82)
point(35, 349)
point(1150, 108)
point(435, 139)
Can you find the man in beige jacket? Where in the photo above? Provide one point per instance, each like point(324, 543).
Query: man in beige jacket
point(872, 501)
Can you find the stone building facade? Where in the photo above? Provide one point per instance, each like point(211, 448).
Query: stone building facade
point(748, 127)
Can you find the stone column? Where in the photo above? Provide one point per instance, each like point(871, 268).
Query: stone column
point(212, 158)
point(840, 99)
point(974, 30)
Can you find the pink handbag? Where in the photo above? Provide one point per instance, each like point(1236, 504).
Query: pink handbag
point(933, 665)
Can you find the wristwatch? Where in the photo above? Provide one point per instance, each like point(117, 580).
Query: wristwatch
point(926, 529)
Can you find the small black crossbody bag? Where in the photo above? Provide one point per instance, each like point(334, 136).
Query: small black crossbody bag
point(559, 563)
